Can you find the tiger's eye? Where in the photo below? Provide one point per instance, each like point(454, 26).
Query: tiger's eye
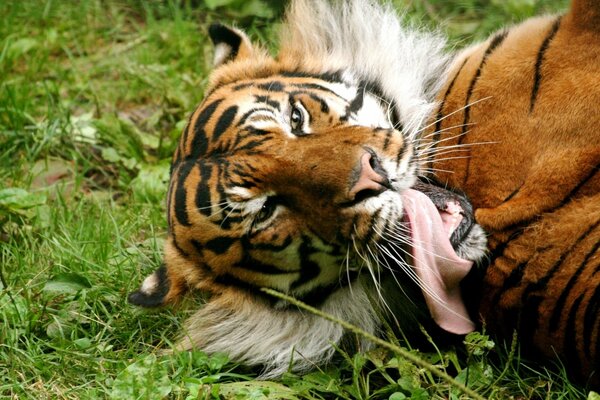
point(267, 210)
point(296, 119)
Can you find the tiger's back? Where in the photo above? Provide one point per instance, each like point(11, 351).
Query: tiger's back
point(522, 109)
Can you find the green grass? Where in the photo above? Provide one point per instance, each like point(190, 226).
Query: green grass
point(93, 95)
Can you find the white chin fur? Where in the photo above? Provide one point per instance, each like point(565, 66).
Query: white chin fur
point(254, 333)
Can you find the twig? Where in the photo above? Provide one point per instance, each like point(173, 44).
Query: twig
point(396, 349)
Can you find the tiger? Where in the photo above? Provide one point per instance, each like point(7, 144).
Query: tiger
point(504, 130)
point(304, 173)
point(520, 113)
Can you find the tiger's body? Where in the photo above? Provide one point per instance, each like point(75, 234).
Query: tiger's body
point(526, 107)
point(299, 172)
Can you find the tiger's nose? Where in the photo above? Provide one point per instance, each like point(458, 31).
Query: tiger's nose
point(372, 178)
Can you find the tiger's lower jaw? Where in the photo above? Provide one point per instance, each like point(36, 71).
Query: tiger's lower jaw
point(255, 333)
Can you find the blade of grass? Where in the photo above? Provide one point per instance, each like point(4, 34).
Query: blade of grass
point(398, 350)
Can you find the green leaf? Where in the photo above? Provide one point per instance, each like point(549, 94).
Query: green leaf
point(17, 200)
point(217, 361)
point(256, 8)
point(147, 378)
point(67, 283)
point(83, 343)
point(21, 46)
point(478, 343)
point(110, 154)
point(593, 396)
point(256, 390)
point(212, 4)
point(151, 183)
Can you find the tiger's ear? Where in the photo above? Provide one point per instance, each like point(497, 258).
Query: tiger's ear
point(230, 44)
point(157, 290)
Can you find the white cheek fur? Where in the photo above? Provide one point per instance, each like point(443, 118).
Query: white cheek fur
point(374, 113)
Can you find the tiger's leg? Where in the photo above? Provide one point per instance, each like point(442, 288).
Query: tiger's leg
point(553, 179)
point(544, 281)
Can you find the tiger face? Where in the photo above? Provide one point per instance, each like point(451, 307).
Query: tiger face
point(299, 173)
point(277, 187)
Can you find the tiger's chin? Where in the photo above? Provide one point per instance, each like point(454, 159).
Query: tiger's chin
point(279, 339)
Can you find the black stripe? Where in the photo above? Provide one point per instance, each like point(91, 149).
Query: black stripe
point(274, 247)
point(309, 269)
point(356, 104)
point(314, 298)
point(230, 280)
point(570, 347)
point(528, 321)
point(255, 131)
point(562, 203)
point(272, 86)
point(268, 101)
point(251, 264)
point(376, 90)
point(321, 101)
point(199, 143)
point(180, 208)
point(581, 183)
point(439, 115)
point(220, 245)
point(494, 43)
point(333, 76)
point(200, 249)
point(317, 296)
point(498, 251)
point(537, 77)
point(388, 138)
point(590, 320)
point(315, 86)
point(531, 302)
point(248, 113)
point(560, 303)
point(203, 198)
point(182, 143)
point(402, 153)
point(513, 194)
point(224, 122)
point(169, 200)
point(541, 284)
point(515, 277)
point(247, 132)
point(183, 253)
point(241, 86)
point(251, 145)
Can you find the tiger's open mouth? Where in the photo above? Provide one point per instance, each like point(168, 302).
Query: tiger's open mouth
point(440, 221)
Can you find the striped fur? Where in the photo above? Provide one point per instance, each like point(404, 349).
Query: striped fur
point(523, 109)
point(262, 184)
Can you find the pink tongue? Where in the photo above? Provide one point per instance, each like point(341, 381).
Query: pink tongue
point(438, 267)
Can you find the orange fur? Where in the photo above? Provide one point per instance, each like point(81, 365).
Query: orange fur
point(530, 161)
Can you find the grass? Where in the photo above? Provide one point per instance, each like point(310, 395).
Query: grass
point(93, 95)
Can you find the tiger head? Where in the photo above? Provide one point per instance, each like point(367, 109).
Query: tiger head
point(294, 174)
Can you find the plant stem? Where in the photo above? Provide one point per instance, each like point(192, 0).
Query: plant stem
point(396, 349)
